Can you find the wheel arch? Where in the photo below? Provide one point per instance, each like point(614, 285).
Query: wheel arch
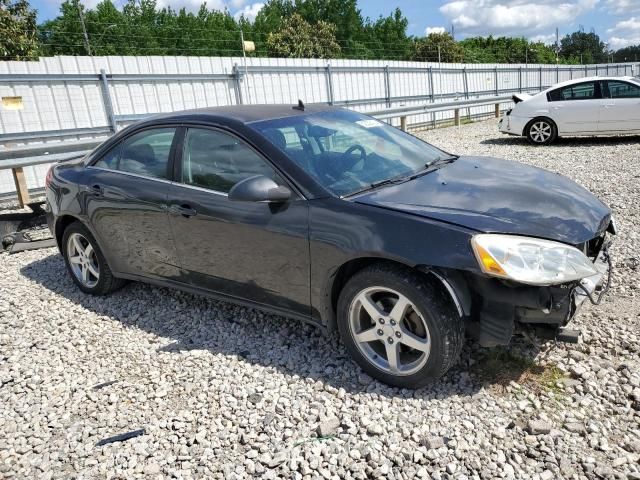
point(451, 282)
point(525, 130)
point(61, 225)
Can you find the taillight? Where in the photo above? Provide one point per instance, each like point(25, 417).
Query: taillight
point(47, 179)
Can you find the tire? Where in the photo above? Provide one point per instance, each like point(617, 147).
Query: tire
point(541, 131)
point(99, 279)
point(430, 322)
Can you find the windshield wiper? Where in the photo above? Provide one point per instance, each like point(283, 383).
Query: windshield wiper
point(442, 160)
point(381, 183)
point(428, 167)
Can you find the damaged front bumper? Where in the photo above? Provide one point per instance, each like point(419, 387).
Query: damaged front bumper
point(500, 308)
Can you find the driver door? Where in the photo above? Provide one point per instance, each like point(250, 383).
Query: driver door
point(249, 250)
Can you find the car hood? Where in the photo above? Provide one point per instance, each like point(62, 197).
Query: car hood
point(499, 196)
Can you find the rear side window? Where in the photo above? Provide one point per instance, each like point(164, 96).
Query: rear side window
point(144, 153)
point(622, 90)
point(579, 91)
point(217, 161)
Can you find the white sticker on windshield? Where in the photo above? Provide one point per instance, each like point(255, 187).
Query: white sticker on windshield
point(369, 123)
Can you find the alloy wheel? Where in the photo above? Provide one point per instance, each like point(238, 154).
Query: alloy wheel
point(83, 260)
point(389, 330)
point(541, 132)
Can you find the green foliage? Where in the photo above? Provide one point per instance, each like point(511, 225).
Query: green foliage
point(298, 38)
point(581, 47)
point(18, 31)
point(305, 28)
point(506, 50)
point(627, 54)
point(140, 28)
point(438, 47)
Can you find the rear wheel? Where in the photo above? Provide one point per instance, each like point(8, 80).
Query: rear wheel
point(86, 263)
point(399, 326)
point(541, 131)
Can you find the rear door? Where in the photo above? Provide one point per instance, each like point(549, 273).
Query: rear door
point(126, 194)
point(622, 109)
point(249, 250)
point(576, 108)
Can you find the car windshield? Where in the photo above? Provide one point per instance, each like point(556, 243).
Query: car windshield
point(348, 152)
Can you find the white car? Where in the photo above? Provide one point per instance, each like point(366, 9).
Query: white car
point(581, 107)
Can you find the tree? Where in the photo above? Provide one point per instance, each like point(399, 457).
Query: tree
point(18, 31)
point(298, 38)
point(438, 47)
point(581, 47)
point(387, 37)
point(627, 54)
point(506, 50)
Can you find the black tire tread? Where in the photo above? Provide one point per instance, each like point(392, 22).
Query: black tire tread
point(448, 323)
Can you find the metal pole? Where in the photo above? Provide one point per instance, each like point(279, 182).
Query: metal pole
point(495, 78)
point(106, 100)
point(440, 70)
point(431, 84)
point(540, 78)
point(387, 85)
point(465, 80)
point(244, 60)
point(520, 79)
point(327, 70)
point(238, 87)
point(84, 28)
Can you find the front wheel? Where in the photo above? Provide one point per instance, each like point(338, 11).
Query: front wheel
point(541, 131)
point(399, 325)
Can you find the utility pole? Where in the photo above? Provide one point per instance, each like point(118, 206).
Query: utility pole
point(84, 28)
point(557, 44)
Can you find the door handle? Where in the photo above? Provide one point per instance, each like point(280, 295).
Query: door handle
point(609, 105)
point(96, 190)
point(184, 210)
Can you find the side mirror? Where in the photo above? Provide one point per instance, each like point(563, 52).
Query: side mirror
point(259, 189)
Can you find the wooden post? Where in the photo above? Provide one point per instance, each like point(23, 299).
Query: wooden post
point(21, 186)
point(456, 117)
point(497, 110)
point(403, 123)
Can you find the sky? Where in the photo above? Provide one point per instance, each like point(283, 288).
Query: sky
point(616, 21)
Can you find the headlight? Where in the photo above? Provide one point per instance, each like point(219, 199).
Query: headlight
point(530, 260)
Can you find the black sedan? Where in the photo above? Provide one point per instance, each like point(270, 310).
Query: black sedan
point(333, 217)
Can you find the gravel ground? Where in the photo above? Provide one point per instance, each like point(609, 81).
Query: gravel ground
point(228, 392)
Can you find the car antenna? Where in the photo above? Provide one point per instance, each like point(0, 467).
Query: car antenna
point(300, 106)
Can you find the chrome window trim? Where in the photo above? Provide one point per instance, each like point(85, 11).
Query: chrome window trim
point(200, 189)
point(131, 174)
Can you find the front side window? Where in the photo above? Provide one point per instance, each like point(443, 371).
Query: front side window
point(144, 153)
point(622, 90)
point(346, 151)
point(217, 161)
point(579, 91)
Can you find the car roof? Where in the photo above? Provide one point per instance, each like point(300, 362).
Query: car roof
point(244, 113)
point(587, 79)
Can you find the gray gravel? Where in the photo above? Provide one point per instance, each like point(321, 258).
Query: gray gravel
point(228, 392)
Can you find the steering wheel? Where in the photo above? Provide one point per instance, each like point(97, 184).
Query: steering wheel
point(347, 159)
point(333, 170)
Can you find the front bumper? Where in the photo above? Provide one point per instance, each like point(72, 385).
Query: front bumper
point(503, 308)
